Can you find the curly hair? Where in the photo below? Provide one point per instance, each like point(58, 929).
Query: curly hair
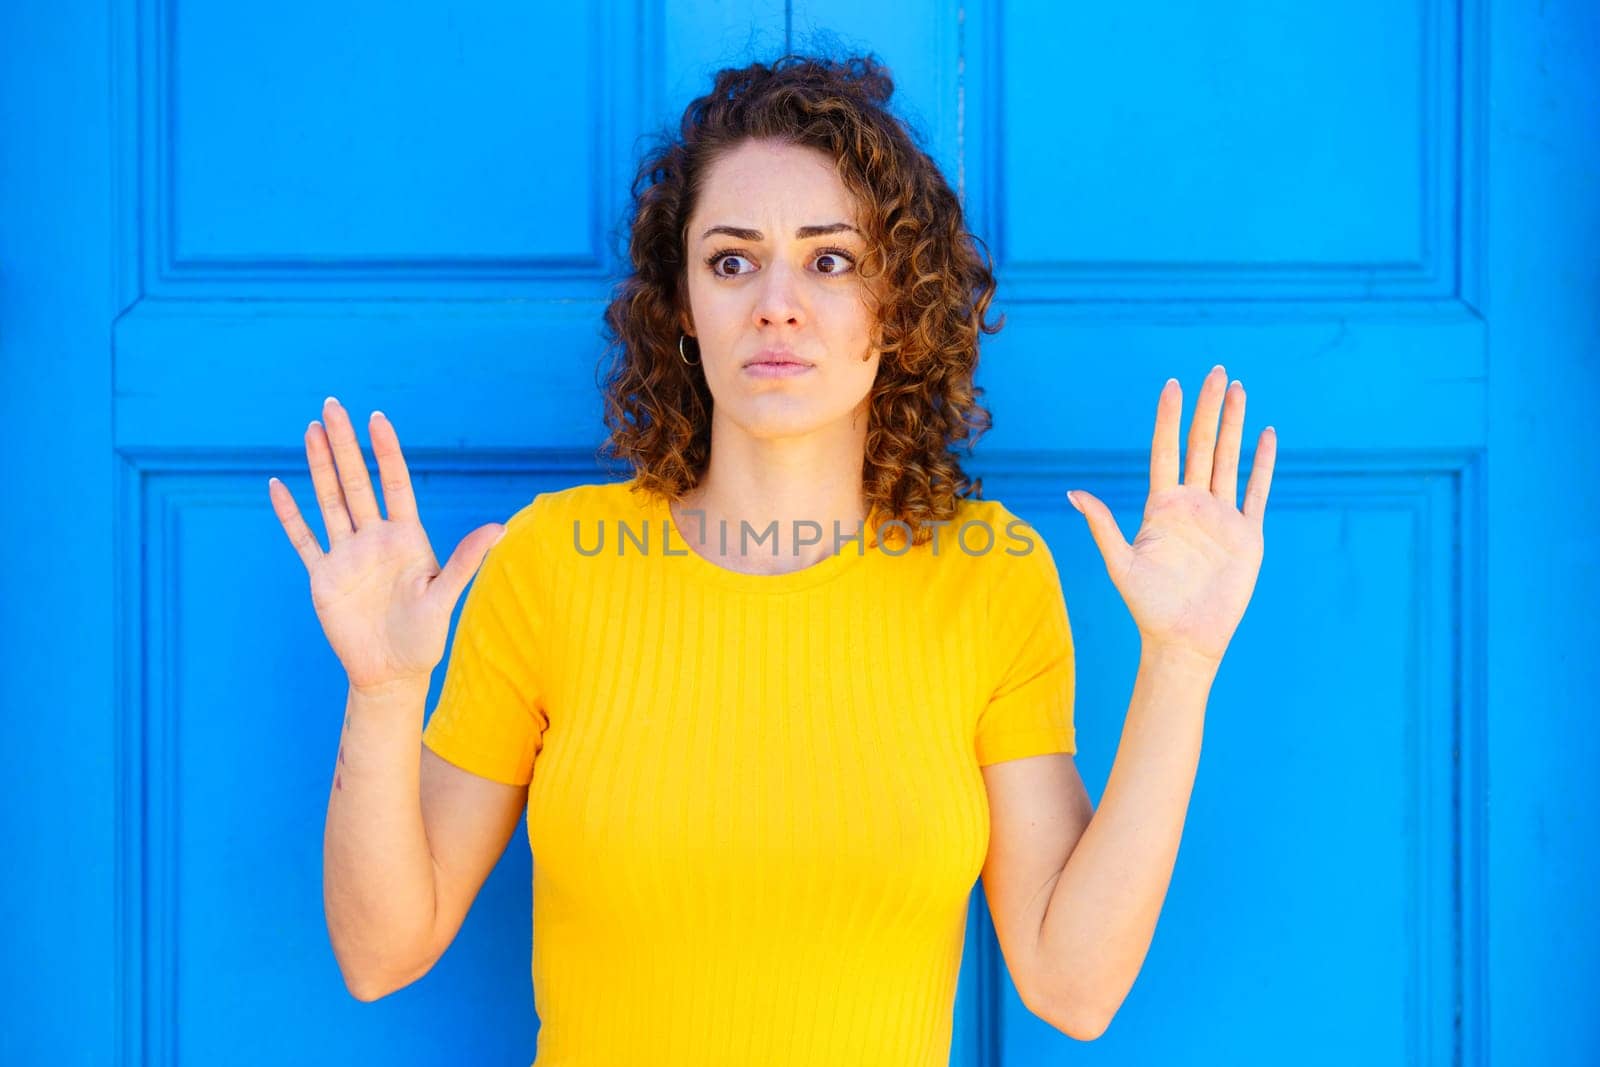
point(925, 319)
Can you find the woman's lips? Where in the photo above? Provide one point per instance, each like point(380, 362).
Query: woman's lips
point(776, 370)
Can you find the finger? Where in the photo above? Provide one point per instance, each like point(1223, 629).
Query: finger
point(1203, 430)
point(1225, 478)
point(300, 536)
point(358, 494)
point(1164, 445)
point(398, 500)
point(1114, 548)
point(465, 561)
point(325, 481)
point(1255, 494)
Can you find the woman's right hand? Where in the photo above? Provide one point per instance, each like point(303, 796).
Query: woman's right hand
point(382, 599)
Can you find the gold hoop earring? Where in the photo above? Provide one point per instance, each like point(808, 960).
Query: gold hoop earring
point(694, 363)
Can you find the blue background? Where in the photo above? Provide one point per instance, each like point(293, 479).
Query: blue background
point(1381, 217)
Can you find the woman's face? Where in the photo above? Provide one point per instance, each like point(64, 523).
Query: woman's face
point(777, 291)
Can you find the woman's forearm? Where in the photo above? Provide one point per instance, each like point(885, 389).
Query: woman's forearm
point(378, 880)
point(1102, 912)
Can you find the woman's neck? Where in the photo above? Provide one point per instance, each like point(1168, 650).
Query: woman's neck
point(776, 516)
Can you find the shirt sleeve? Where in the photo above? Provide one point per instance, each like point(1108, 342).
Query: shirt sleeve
point(491, 718)
point(1029, 712)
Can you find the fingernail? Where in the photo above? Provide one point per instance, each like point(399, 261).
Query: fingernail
point(1072, 498)
point(330, 401)
point(379, 415)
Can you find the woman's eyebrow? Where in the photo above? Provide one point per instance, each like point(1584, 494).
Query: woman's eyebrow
point(802, 233)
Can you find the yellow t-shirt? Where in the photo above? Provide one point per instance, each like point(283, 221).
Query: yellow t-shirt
point(755, 810)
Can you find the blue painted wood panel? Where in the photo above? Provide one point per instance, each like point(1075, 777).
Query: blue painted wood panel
point(211, 218)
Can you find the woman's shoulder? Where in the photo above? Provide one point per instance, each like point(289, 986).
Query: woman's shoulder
point(595, 497)
point(999, 540)
point(972, 509)
point(554, 510)
point(998, 520)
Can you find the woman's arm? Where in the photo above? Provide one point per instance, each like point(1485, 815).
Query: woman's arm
point(1102, 913)
point(1186, 578)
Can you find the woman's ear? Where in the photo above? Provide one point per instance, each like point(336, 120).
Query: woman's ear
point(680, 297)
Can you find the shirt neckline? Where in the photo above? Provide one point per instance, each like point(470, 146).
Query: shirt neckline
point(680, 552)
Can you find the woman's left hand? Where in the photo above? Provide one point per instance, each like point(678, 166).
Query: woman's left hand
point(1191, 569)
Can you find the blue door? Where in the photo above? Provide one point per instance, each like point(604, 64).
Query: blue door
point(212, 216)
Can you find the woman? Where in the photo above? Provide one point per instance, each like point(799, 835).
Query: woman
point(773, 704)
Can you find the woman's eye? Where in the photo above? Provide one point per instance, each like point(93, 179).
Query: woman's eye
point(719, 260)
point(842, 263)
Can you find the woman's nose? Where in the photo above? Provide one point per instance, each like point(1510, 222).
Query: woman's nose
point(779, 296)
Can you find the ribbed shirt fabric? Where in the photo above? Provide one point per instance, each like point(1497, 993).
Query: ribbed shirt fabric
point(755, 807)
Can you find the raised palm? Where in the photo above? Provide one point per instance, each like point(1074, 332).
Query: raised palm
point(1192, 567)
point(379, 592)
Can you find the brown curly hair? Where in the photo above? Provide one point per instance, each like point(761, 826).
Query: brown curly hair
point(926, 318)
